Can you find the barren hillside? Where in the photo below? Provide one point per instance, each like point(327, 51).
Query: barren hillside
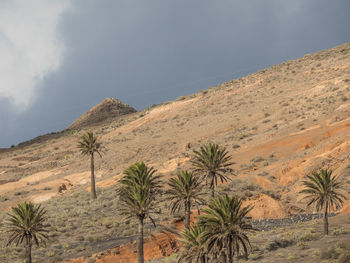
point(279, 124)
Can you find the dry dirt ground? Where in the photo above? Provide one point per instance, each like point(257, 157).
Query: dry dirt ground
point(279, 124)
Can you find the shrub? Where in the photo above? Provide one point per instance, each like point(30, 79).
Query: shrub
point(290, 256)
point(344, 257)
point(257, 159)
point(251, 187)
point(279, 243)
point(302, 245)
point(316, 252)
point(73, 132)
point(241, 136)
point(308, 236)
point(21, 193)
point(272, 194)
point(330, 253)
point(248, 194)
point(66, 246)
point(91, 260)
point(80, 238)
point(254, 256)
point(342, 245)
point(55, 259)
point(90, 239)
point(264, 173)
point(341, 231)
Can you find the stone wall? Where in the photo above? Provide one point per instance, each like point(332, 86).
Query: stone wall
point(268, 224)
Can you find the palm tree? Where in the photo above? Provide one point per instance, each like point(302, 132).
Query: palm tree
point(195, 246)
point(26, 224)
point(89, 145)
point(213, 162)
point(322, 190)
point(185, 190)
point(138, 190)
point(226, 227)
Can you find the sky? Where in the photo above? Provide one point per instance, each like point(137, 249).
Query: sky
point(58, 58)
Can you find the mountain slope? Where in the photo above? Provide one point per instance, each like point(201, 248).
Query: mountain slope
point(279, 124)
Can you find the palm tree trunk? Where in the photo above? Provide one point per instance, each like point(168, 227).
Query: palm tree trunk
point(229, 251)
point(187, 214)
point(223, 257)
point(93, 189)
point(325, 220)
point(212, 186)
point(212, 192)
point(140, 243)
point(28, 250)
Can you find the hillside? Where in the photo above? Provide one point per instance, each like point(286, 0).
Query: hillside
point(279, 124)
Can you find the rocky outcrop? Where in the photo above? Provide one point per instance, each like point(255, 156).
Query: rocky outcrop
point(109, 108)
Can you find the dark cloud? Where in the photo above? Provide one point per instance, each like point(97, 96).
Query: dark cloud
point(146, 52)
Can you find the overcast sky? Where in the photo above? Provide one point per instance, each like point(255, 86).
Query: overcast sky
point(58, 58)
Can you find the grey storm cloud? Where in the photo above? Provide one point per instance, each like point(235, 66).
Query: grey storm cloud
point(146, 52)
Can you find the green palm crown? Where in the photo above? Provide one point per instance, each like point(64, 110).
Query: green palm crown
point(26, 221)
point(195, 245)
point(88, 144)
point(138, 189)
point(185, 186)
point(212, 162)
point(322, 189)
point(226, 226)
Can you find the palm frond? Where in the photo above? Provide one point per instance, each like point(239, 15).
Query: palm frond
point(138, 190)
point(184, 187)
point(212, 162)
point(321, 189)
point(194, 243)
point(88, 144)
point(26, 220)
point(226, 225)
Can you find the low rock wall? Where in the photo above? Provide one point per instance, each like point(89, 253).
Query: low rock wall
point(268, 224)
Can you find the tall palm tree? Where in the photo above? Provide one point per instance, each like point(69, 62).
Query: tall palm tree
point(184, 192)
point(138, 190)
point(195, 245)
point(322, 190)
point(213, 162)
point(226, 227)
point(88, 145)
point(26, 224)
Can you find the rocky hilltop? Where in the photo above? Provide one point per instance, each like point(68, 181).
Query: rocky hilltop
point(109, 108)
